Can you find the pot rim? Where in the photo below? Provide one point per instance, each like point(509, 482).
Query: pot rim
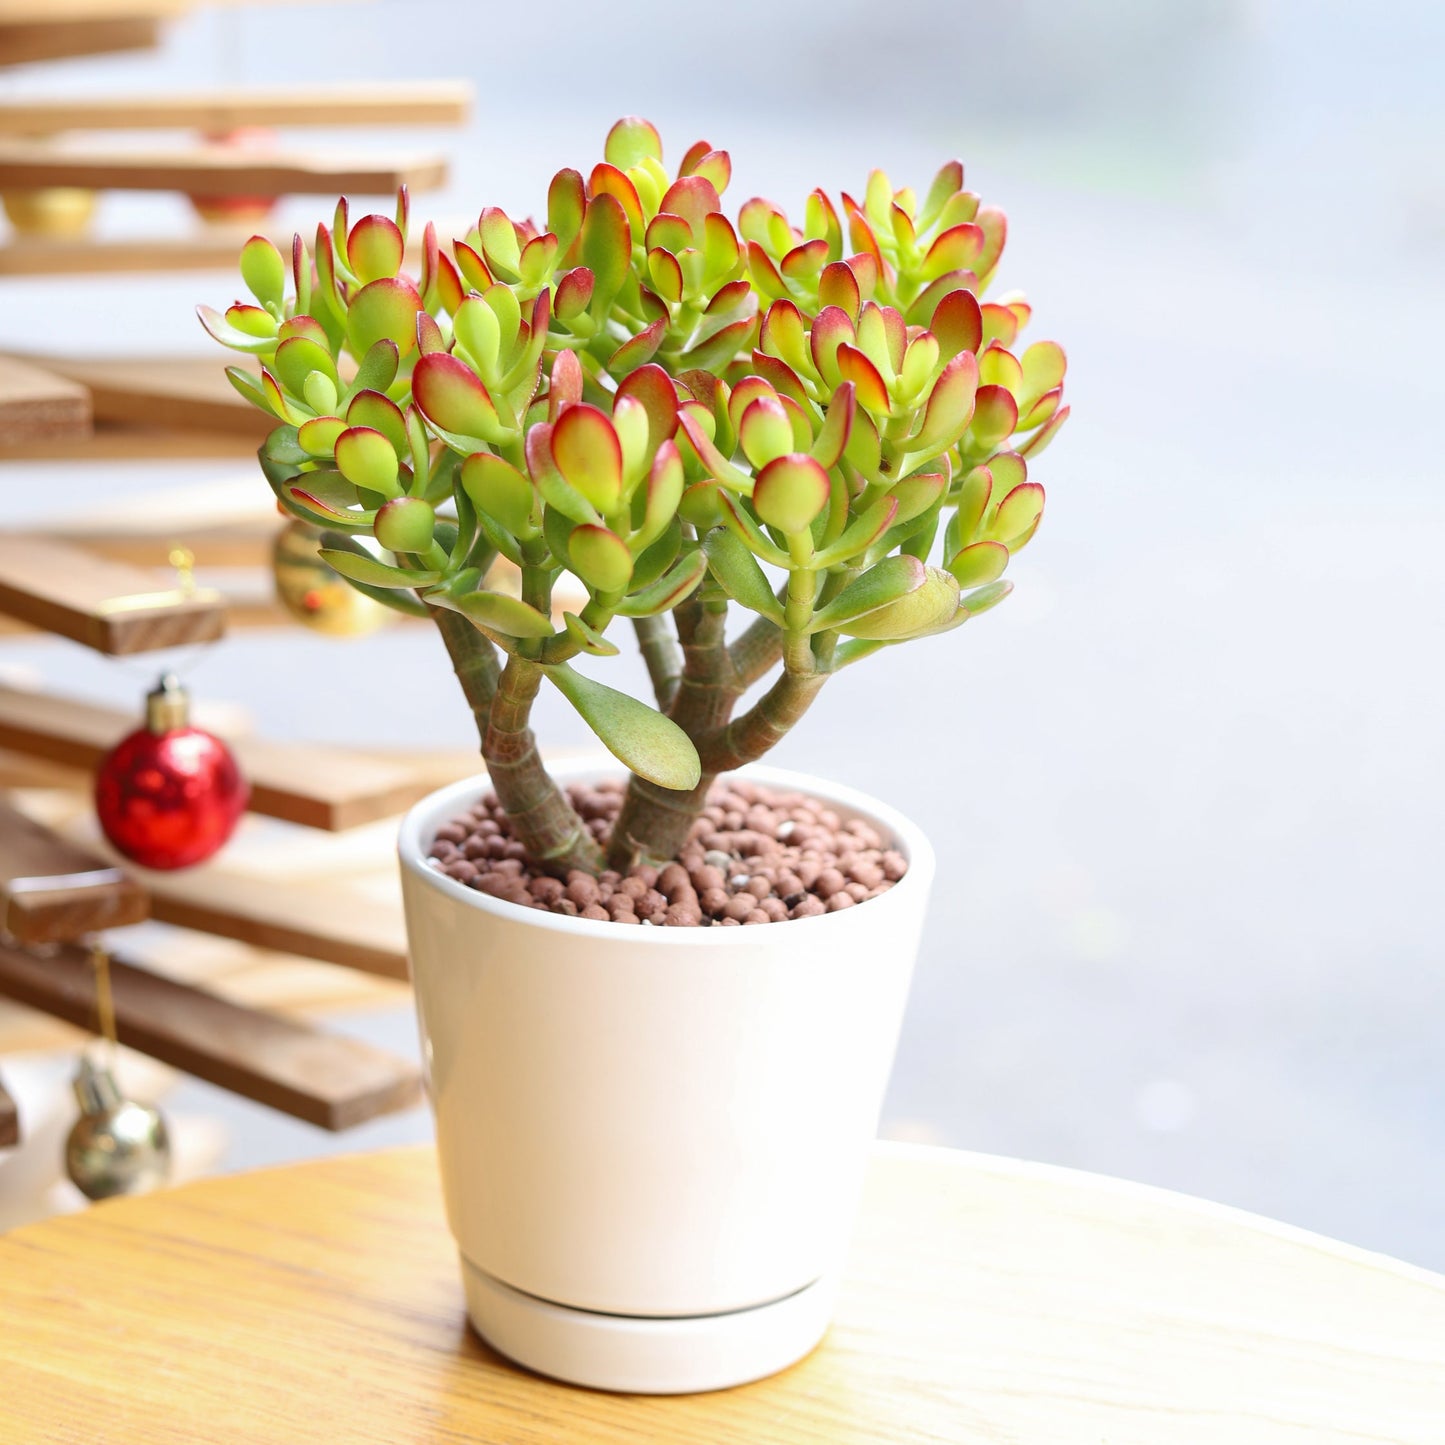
point(421, 821)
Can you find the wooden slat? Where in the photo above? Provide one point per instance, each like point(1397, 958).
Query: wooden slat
point(52, 891)
point(25, 42)
point(309, 919)
point(110, 607)
point(92, 11)
point(316, 786)
point(177, 394)
point(9, 1119)
point(207, 250)
point(133, 443)
point(377, 102)
point(40, 405)
point(217, 171)
point(326, 1080)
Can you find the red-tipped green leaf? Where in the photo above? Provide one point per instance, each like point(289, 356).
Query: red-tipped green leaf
point(366, 459)
point(450, 395)
point(375, 248)
point(588, 454)
point(979, 563)
point(631, 141)
point(790, 491)
point(384, 310)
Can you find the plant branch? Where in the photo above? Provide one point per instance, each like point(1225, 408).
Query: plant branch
point(474, 660)
point(746, 738)
point(544, 822)
point(662, 655)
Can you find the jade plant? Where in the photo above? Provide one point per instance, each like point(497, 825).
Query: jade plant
point(824, 428)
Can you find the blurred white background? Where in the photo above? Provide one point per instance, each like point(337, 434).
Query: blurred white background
point(1186, 784)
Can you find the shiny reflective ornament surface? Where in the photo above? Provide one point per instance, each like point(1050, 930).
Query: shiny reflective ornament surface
point(58, 213)
point(313, 594)
point(117, 1146)
point(169, 795)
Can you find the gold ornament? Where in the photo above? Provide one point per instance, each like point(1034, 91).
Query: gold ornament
point(313, 594)
point(117, 1146)
point(58, 213)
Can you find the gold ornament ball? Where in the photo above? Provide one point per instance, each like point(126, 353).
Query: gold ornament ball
point(58, 213)
point(313, 594)
point(117, 1146)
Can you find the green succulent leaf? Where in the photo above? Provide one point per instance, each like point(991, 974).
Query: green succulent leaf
point(357, 568)
point(497, 612)
point(587, 637)
point(739, 574)
point(640, 737)
point(883, 583)
point(675, 586)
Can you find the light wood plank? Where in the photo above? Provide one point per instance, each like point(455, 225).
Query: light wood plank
point(319, 787)
point(330, 1081)
point(52, 891)
point(92, 11)
point(985, 1303)
point(9, 1119)
point(32, 40)
point(107, 606)
point(376, 102)
point(37, 404)
point(217, 171)
point(213, 249)
point(174, 394)
point(123, 443)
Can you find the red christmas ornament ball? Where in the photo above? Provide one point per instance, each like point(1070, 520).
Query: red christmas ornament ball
point(169, 795)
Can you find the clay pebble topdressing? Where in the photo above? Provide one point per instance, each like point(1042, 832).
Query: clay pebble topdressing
point(756, 855)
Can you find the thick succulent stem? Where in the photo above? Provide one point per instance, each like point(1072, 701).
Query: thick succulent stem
point(474, 660)
point(655, 821)
point(660, 652)
point(763, 726)
point(542, 819)
point(756, 650)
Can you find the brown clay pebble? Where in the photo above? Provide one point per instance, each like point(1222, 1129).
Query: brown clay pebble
point(870, 875)
point(739, 906)
point(754, 856)
point(672, 880)
point(581, 888)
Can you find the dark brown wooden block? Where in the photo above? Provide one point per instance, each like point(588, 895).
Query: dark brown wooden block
point(326, 1080)
point(105, 605)
point(9, 1119)
point(317, 786)
point(52, 891)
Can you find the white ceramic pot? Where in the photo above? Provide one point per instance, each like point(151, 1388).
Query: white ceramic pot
point(652, 1140)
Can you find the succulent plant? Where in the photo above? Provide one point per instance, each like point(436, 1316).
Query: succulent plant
point(825, 427)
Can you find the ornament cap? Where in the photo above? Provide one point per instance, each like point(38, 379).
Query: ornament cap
point(168, 705)
point(96, 1090)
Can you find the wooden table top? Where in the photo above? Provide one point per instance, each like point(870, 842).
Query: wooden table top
point(987, 1301)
